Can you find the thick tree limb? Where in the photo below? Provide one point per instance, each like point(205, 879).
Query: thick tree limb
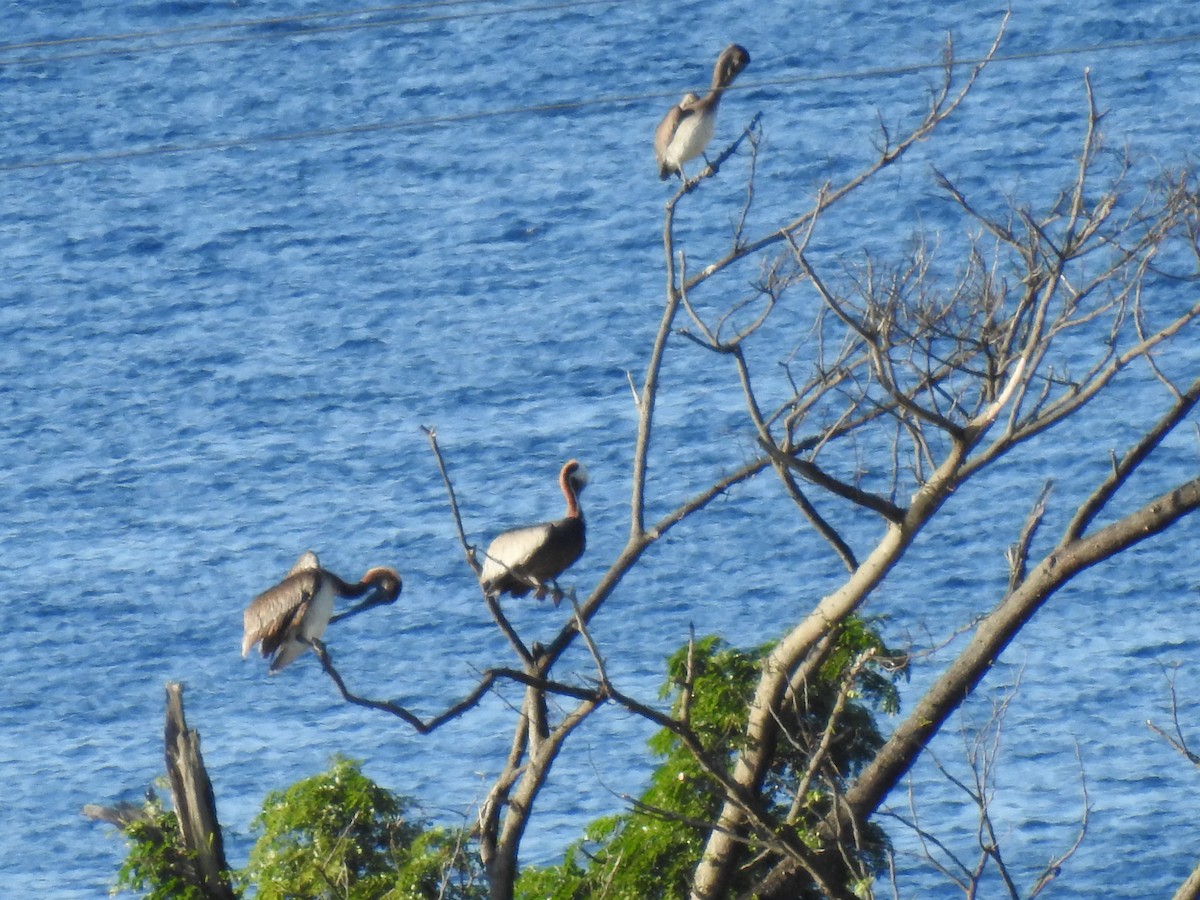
point(1184, 404)
point(812, 472)
point(991, 637)
point(715, 868)
point(1190, 889)
point(995, 632)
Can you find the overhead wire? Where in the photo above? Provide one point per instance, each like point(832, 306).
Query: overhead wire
point(131, 47)
point(365, 128)
point(129, 36)
point(240, 23)
point(427, 122)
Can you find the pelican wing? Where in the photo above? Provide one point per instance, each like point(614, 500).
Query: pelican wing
point(666, 129)
point(565, 543)
point(275, 615)
point(308, 560)
point(525, 558)
point(507, 557)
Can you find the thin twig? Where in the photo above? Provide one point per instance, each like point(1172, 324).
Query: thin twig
point(1178, 741)
point(1018, 553)
point(468, 550)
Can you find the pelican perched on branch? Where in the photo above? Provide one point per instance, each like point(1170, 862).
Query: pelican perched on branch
point(288, 618)
point(532, 557)
point(686, 129)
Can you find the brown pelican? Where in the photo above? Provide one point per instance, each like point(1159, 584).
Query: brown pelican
point(288, 618)
point(687, 127)
point(532, 557)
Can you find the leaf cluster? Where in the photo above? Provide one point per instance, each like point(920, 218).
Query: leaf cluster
point(339, 834)
point(156, 864)
point(334, 835)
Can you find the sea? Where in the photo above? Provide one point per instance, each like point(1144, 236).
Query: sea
point(253, 254)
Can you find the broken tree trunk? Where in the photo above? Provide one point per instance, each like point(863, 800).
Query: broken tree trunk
point(192, 797)
point(197, 857)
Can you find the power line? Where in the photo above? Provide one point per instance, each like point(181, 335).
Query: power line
point(426, 122)
point(369, 128)
point(1023, 56)
point(263, 23)
point(221, 26)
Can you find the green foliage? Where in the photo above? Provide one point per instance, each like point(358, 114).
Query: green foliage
point(156, 865)
point(335, 835)
point(857, 637)
point(340, 835)
point(652, 851)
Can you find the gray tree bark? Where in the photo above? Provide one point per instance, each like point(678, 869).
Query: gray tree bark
point(192, 797)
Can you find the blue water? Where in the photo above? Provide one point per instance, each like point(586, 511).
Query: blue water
point(211, 360)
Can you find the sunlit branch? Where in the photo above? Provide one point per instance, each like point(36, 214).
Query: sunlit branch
point(1017, 554)
point(819, 753)
point(1177, 741)
point(492, 603)
point(813, 473)
point(1129, 463)
point(686, 187)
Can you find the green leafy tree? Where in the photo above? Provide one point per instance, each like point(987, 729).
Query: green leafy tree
point(341, 835)
point(334, 835)
point(157, 864)
point(651, 851)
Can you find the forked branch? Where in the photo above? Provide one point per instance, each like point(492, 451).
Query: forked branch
point(487, 681)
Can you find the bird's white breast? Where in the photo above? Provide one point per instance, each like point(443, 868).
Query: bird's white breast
point(320, 611)
point(690, 138)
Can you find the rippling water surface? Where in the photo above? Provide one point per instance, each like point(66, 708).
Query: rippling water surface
point(215, 358)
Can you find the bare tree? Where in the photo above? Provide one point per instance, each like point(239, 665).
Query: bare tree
point(537, 740)
point(955, 381)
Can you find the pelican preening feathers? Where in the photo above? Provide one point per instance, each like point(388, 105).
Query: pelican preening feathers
point(288, 618)
point(532, 557)
point(686, 129)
